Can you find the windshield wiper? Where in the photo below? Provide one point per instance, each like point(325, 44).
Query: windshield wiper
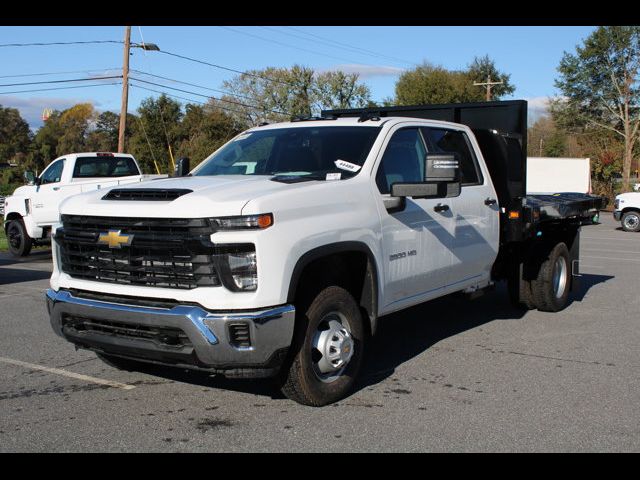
point(296, 178)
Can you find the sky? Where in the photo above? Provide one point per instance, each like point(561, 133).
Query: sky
point(378, 53)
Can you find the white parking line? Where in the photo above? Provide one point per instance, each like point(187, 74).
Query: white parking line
point(58, 371)
point(609, 238)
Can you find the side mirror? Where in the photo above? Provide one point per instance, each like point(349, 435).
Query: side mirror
point(182, 167)
point(29, 177)
point(442, 179)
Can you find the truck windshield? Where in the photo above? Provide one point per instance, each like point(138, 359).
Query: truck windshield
point(300, 151)
point(92, 167)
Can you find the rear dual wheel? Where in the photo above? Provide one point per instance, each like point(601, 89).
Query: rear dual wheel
point(549, 291)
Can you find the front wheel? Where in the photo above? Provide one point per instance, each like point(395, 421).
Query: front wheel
point(328, 349)
point(631, 221)
point(20, 242)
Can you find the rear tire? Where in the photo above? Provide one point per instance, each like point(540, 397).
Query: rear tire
point(328, 348)
point(551, 288)
point(631, 221)
point(20, 242)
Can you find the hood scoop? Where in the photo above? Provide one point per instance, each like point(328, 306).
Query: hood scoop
point(146, 194)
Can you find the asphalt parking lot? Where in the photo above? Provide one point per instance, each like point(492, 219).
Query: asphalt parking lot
point(449, 375)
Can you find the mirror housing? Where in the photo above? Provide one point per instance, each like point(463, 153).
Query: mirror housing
point(442, 179)
point(182, 167)
point(30, 178)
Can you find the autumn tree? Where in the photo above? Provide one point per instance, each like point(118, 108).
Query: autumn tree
point(600, 89)
point(74, 126)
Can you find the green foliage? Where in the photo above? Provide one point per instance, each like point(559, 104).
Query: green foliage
point(483, 69)
point(432, 84)
point(545, 139)
point(291, 92)
point(204, 129)
point(14, 134)
point(156, 128)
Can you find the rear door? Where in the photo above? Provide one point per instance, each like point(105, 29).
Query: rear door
point(475, 216)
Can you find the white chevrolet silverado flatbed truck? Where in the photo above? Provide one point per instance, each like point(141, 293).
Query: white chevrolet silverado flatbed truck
point(278, 254)
point(32, 209)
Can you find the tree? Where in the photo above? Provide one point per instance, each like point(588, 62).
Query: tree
point(545, 139)
point(600, 87)
point(104, 138)
point(15, 135)
point(483, 69)
point(340, 90)
point(277, 94)
point(204, 129)
point(429, 84)
point(44, 147)
point(157, 129)
point(74, 125)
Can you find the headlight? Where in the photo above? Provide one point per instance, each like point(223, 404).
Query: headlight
point(238, 267)
point(244, 222)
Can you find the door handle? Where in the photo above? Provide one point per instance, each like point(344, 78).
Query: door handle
point(441, 207)
point(55, 189)
point(490, 201)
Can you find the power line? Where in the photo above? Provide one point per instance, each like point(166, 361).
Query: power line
point(191, 84)
point(344, 46)
point(207, 96)
point(184, 57)
point(285, 44)
point(61, 81)
point(40, 44)
point(59, 73)
point(59, 88)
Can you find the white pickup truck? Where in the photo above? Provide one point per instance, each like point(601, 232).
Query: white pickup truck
point(31, 211)
point(279, 253)
point(627, 211)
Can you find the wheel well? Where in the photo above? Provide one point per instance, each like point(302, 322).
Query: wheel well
point(630, 209)
point(11, 216)
point(353, 270)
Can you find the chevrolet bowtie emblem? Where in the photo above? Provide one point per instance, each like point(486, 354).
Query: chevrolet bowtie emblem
point(114, 239)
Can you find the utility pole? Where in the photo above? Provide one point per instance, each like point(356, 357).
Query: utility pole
point(125, 89)
point(488, 84)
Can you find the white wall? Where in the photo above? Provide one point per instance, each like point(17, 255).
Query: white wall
point(553, 175)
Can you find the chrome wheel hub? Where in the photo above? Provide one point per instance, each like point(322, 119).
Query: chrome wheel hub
point(631, 221)
point(332, 347)
point(559, 277)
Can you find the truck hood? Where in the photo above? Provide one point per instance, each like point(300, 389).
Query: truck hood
point(223, 195)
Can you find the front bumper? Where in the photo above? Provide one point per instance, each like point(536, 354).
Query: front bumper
point(180, 335)
point(617, 215)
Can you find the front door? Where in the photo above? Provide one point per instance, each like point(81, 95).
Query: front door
point(417, 239)
point(48, 195)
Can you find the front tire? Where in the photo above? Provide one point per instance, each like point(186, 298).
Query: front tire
point(328, 349)
point(20, 242)
point(631, 221)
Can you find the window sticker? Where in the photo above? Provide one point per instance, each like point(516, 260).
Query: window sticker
point(333, 176)
point(348, 166)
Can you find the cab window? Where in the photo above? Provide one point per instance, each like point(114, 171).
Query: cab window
point(53, 174)
point(403, 160)
point(443, 140)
